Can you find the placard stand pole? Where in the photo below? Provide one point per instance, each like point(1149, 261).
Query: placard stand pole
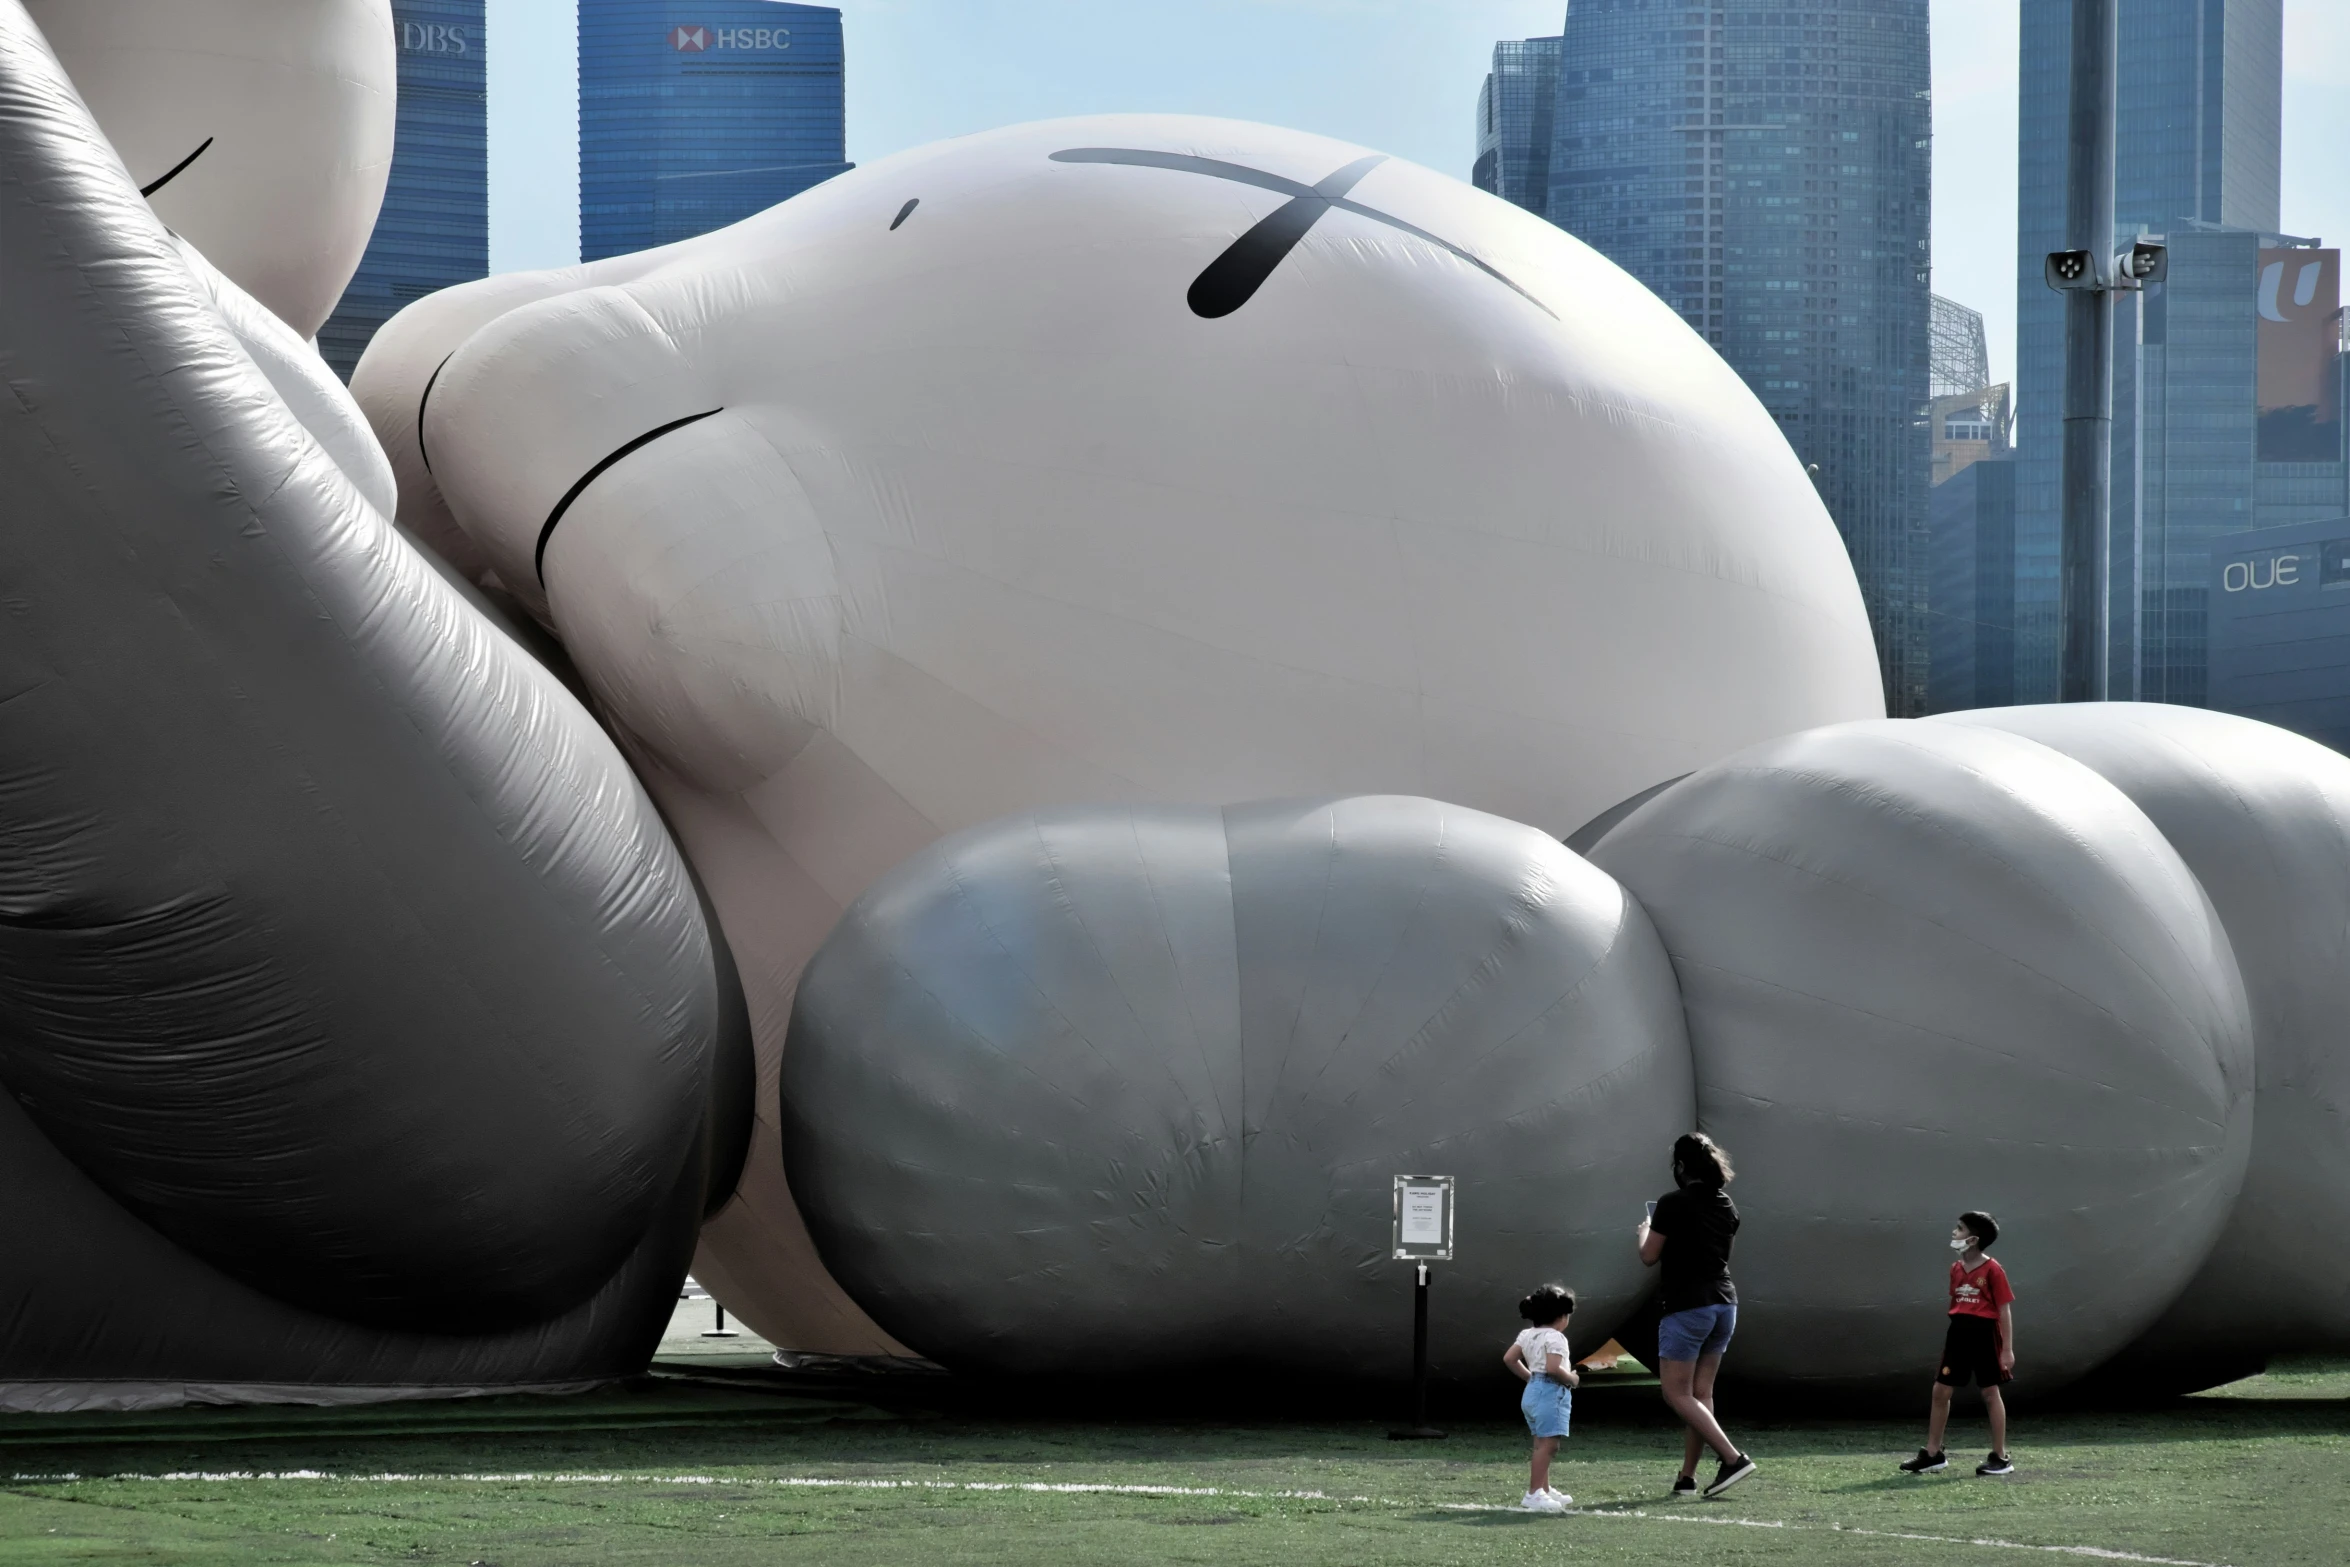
point(1420, 1430)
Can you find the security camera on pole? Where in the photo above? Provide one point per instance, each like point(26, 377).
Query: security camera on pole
point(2083, 274)
point(1423, 1234)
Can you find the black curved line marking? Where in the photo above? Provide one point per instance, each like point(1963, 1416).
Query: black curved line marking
point(904, 213)
point(538, 560)
point(430, 382)
point(1234, 277)
point(175, 171)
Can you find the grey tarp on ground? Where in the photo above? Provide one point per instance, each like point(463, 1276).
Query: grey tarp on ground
point(2262, 817)
point(1109, 1089)
point(353, 998)
point(1930, 968)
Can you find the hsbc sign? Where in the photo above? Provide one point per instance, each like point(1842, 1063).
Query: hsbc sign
point(696, 38)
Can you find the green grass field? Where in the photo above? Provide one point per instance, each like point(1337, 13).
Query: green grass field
point(682, 1471)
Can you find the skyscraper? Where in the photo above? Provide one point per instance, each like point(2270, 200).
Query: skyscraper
point(1959, 357)
point(2228, 419)
point(1968, 418)
point(1764, 166)
point(1971, 620)
point(434, 229)
point(1513, 122)
point(694, 114)
point(2198, 137)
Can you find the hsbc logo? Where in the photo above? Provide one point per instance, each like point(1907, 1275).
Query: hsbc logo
point(698, 38)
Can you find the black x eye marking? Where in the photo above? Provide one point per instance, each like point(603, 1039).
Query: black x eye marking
point(1234, 277)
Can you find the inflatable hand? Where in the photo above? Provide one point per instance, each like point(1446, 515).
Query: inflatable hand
point(1131, 1087)
point(1134, 459)
point(359, 1025)
point(1930, 967)
point(2262, 817)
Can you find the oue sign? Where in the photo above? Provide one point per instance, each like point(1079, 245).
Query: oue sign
point(2251, 576)
point(433, 38)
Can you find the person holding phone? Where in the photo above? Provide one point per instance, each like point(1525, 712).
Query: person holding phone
point(1689, 1231)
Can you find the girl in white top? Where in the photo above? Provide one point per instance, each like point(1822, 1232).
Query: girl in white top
point(1541, 1359)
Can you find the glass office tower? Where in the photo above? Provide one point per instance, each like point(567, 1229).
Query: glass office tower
point(2198, 136)
point(1764, 167)
point(2228, 418)
point(1959, 359)
point(435, 226)
point(1971, 627)
point(694, 114)
point(1513, 122)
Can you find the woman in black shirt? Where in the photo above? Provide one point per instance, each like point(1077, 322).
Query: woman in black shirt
point(1690, 1233)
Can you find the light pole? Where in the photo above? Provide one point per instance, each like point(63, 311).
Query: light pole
point(2082, 272)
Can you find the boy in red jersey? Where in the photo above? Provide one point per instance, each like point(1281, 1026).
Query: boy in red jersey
point(1980, 1346)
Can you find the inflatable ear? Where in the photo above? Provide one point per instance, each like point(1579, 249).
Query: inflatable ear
point(1929, 968)
point(1129, 1088)
point(340, 952)
point(259, 131)
point(2262, 817)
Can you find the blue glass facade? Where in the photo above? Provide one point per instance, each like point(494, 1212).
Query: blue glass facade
point(1514, 122)
point(1765, 167)
point(694, 114)
point(2198, 139)
point(434, 230)
point(2280, 627)
point(1970, 637)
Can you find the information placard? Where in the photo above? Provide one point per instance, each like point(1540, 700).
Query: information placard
point(1423, 1218)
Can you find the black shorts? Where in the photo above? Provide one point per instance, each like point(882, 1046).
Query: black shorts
point(1970, 1353)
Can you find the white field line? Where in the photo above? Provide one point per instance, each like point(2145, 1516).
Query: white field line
point(1076, 1488)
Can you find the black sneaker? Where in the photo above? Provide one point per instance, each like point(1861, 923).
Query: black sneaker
point(1730, 1474)
point(1996, 1464)
point(1926, 1464)
point(1685, 1486)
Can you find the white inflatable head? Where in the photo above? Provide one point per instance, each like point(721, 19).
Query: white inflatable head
point(1137, 459)
point(261, 131)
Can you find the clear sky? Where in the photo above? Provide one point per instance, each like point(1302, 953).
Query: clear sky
point(1398, 75)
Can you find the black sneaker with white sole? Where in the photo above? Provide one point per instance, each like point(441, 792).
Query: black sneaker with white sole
point(1685, 1486)
point(1926, 1464)
point(1996, 1464)
point(1731, 1472)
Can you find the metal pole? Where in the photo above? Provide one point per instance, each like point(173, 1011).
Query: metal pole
point(1419, 1430)
point(2088, 350)
point(1420, 1352)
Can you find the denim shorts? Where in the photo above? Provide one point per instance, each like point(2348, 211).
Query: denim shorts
point(1701, 1330)
point(1547, 1407)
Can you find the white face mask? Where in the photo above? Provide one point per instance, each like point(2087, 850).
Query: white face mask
point(1961, 1241)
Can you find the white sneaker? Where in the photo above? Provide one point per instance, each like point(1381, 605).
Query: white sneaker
point(1542, 1502)
point(1564, 1500)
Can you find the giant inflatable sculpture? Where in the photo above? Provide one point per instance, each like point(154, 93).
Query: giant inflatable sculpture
point(1046, 583)
point(1138, 459)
